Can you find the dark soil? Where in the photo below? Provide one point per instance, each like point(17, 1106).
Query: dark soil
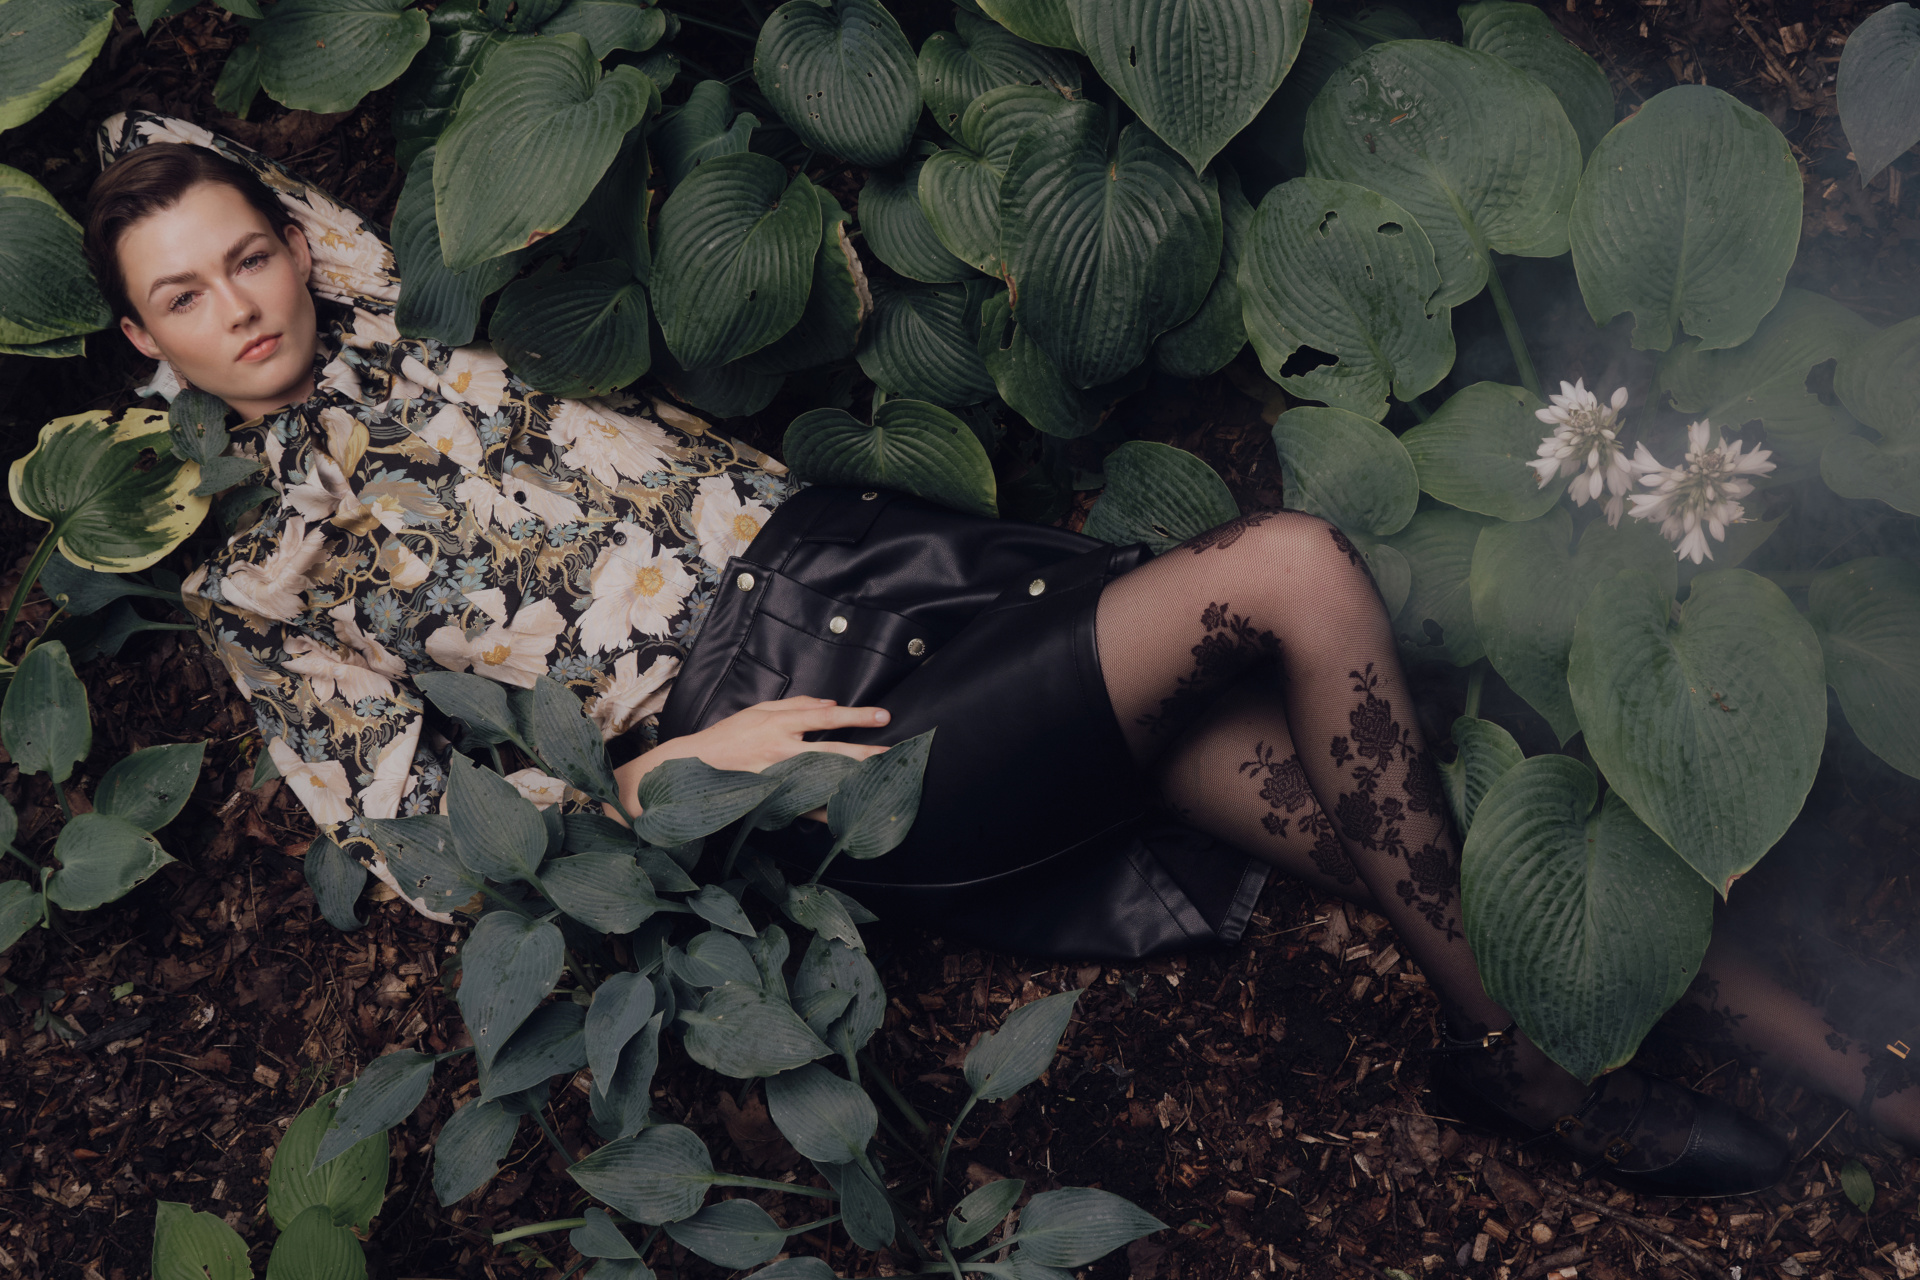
point(1266, 1102)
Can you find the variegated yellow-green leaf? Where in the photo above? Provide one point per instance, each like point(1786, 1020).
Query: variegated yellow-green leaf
point(45, 47)
point(116, 497)
point(47, 295)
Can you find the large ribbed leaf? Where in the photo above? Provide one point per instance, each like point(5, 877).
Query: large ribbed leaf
point(898, 232)
point(195, 1246)
point(735, 245)
point(1031, 383)
point(837, 308)
point(1524, 36)
point(1708, 718)
point(960, 186)
point(1878, 381)
point(530, 140)
point(46, 290)
point(912, 446)
point(426, 97)
point(957, 66)
point(1688, 216)
point(1528, 586)
point(1349, 274)
point(1475, 149)
point(508, 965)
point(609, 24)
point(1196, 71)
point(1047, 22)
point(659, 1175)
point(923, 342)
point(1158, 495)
point(1473, 452)
point(1346, 469)
point(435, 302)
point(112, 507)
point(704, 126)
point(1867, 615)
point(578, 333)
point(101, 858)
point(1586, 926)
point(1104, 252)
point(842, 75)
point(48, 46)
point(1482, 754)
point(1879, 88)
point(1271, 149)
point(1764, 379)
point(326, 55)
point(1437, 620)
point(1205, 341)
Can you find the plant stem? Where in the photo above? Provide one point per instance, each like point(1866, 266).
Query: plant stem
point(66, 806)
point(894, 1095)
point(764, 1184)
point(24, 859)
point(940, 1168)
point(540, 1118)
point(1516, 340)
point(536, 1228)
point(721, 27)
point(41, 554)
point(1476, 680)
point(499, 765)
point(1420, 413)
point(579, 972)
point(492, 894)
point(953, 1266)
point(815, 1225)
point(827, 861)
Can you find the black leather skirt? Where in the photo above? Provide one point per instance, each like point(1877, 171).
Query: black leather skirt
point(1036, 832)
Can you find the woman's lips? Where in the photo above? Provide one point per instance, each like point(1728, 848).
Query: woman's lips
point(260, 348)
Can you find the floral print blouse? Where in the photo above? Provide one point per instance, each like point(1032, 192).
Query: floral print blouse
point(434, 513)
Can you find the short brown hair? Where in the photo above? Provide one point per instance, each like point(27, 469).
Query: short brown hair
point(147, 180)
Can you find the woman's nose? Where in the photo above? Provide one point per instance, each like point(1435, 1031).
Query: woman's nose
point(240, 307)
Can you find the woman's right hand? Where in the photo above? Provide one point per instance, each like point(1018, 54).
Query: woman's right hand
point(750, 740)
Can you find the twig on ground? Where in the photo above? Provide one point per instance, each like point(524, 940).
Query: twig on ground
point(1660, 1239)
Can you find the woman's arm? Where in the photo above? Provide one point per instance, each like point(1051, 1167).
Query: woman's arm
point(750, 740)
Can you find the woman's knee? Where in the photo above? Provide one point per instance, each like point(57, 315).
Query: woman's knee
point(1291, 544)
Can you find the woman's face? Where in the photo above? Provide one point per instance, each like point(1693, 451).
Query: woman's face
point(222, 299)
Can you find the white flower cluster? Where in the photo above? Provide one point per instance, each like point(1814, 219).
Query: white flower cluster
point(1701, 496)
point(1585, 445)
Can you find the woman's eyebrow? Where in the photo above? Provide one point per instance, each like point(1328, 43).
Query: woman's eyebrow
point(183, 277)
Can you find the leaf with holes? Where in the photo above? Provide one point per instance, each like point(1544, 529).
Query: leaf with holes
point(351, 1186)
point(923, 342)
point(957, 66)
point(195, 1246)
point(101, 858)
point(873, 810)
point(1336, 273)
point(912, 446)
point(842, 75)
point(1483, 752)
point(1473, 452)
point(112, 506)
point(1524, 36)
point(326, 55)
point(982, 1210)
point(1158, 495)
point(151, 786)
point(1689, 217)
point(1867, 615)
point(1878, 90)
point(898, 232)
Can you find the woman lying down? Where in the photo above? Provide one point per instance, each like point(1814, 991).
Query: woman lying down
point(435, 514)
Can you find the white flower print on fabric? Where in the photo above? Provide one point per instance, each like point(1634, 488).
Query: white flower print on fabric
point(475, 376)
point(605, 444)
point(1702, 495)
point(453, 436)
point(490, 505)
point(392, 771)
point(543, 790)
point(514, 654)
point(723, 523)
point(338, 375)
point(331, 673)
point(633, 694)
point(320, 784)
point(636, 588)
point(365, 650)
point(273, 589)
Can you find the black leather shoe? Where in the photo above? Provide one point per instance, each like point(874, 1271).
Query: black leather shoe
point(1647, 1134)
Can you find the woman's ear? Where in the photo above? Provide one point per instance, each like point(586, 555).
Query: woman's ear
point(141, 339)
point(296, 239)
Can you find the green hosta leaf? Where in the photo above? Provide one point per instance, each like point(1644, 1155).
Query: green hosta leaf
point(1688, 216)
point(898, 232)
point(1073, 1226)
point(1878, 381)
point(1857, 1181)
point(1047, 22)
point(44, 721)
point(435, 302)
point(326, 55)
point(874, 808)
point(1196, 71)
point(21, 908)
point(531, 138)
point(685, 799)
point(621, 1006)
point(1158, 495)
point(1105, 253)
point(1271, 150)
point(1008, 1060)
point(1031, 383)
point(816, 907)
point(1522, 35)
point(419, 851)
point(1867, 615)
point(957, 66)
point(479, 704)
point(151, 786)
point(101, 859)
point(508, 965)
point(1437, 619)
point(518, 15)
point(57, 349)
point(735, 1234)
point(1350, 274)
point(1528, 586)
point(824, 1116)
point(1585, 924)
point(195, 1246)
point(912, 446)
point(46, 290)
point(842, 76)
point(606, 891)
point(713, 959)
point(975, 1217)
point(609, 24)
point(351, 1186)
point(807, 781)
point(578, 333)
point(923, 342)
point(1879, 88)
point(1483, 752)
point(1477, 151)
point(426, 97)
point(1765, 378)
point(1205, 341)
point(960, 186)
point(335, 878)
point(705, 126)
point(831, 969)
point(109, 509)
point(615, 215)
point(239, 82)
point(385, 1094)
point(735, 245)
point(621, 1103)
point(1710, 725)
point(1346, 469)
point(624, 1269)
point(864, 1208)
point(550, 718)
point(1473, 453)
point(50, 45)
point(718, 907)
point(742, 1032)
point(497, 832)
point(727, 392)
point(600, 1238)
point(313, 1248)
point(837, 308)
point(658, 1175)
point(549, 1043)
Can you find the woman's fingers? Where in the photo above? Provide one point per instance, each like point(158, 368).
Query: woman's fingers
point(807, 719)
point(791, 704)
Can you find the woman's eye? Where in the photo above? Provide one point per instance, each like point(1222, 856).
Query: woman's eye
point(253, 261)
point(181, 302)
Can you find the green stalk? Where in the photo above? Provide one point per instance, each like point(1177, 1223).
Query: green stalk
point(24, 859)
point(764, 1184)
point(940, 1168)
point(953, 1265)
point(827, 861)
point(1476, 680)
point(894, 1095)
point(815, 1225)
point(1516, 340)
point(1420, 413)
point(493, 895)
point(721, 27)
point(41, 554)
point(66, 806)
point(536, 1228)
point(540, 1118)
